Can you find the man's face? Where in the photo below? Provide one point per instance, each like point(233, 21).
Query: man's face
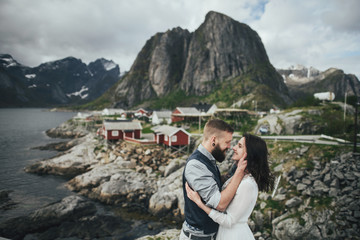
point(222, 144)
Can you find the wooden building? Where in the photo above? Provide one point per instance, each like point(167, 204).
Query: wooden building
point(185, 114)
point(115, 130)
point(159, 117)
point(171, 136)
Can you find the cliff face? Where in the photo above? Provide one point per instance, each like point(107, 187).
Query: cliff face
point(221, 48)
point(197, 63)
point(157, 69)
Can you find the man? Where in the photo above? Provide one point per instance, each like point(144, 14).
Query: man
point(203, 176)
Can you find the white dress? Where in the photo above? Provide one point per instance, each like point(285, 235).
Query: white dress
point(233, 222)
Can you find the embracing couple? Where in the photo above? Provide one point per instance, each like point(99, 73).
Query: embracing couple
point(217, 210)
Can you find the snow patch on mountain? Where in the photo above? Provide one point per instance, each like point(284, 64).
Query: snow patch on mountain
point(30, 76)
point(109, 65)
point(80, 93)
point(9, 62)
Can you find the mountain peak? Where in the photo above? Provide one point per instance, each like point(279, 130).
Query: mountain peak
point(213, 14)
point(197, 63)
point(107, 65)
point(6, 60)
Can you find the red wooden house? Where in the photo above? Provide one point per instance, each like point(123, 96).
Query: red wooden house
point(114, 130)
point(171, 136)
point(185, 113)
point(141, 112)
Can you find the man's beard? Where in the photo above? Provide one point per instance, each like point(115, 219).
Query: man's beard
point(218, 154)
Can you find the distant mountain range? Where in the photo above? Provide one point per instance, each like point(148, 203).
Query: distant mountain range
point(222, 62)
point(64, 82)
point(302, 82)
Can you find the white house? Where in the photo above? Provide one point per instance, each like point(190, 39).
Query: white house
point(171, 136)
point(212, 109)
point(205, 108)
point(82, 116)
point(112, 111)
point(274, 111)
point(159, 117)
point(329, 96)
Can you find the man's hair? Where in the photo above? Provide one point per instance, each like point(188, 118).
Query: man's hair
point(215, 127)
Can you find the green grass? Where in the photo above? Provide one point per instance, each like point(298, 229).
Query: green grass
point(320, 203)
point(147, 128)
point(171, 101)
point(278, 206)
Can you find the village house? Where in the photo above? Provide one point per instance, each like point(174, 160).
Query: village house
point(141, 112)
point(112, 111)
point(185, 114)
point(205, 108)
point(115, 130)
point(83, 117)
point(161, 117)
point(171, 136)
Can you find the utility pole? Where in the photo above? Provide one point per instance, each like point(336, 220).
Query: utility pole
point(254, 102)
point(356, 124)
point(345, 106)
point(199, 123)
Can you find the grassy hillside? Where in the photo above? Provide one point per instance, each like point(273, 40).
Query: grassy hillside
point(224, 95)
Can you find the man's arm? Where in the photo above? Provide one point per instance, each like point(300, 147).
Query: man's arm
point(202, 180)
point(229, 192)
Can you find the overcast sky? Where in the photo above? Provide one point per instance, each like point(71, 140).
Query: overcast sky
point(321, 33)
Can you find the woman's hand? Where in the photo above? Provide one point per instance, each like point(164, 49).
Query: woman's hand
point(192, 195)
point(242, 163)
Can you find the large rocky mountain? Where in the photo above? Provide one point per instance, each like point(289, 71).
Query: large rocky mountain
point(222, 61)
point(63, 82)
point(302, 82)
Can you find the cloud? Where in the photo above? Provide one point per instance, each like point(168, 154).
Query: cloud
point(311, 33)
point(322, 33)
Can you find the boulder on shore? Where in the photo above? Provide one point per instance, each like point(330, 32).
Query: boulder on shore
point(75, 161)
point(68, 209)
point(67, 130)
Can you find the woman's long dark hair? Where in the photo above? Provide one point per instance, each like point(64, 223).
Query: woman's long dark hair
point(257, 162)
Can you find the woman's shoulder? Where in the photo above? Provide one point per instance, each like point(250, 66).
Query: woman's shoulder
point(249, 181)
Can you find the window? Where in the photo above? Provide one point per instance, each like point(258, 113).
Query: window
point(115, 133)
point(166, 137)
point(174, 138)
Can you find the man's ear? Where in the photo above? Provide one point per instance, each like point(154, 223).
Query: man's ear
point(212, 141)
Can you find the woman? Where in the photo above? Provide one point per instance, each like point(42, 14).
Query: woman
point(233, 222)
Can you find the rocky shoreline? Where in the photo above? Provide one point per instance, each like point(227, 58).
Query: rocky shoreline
point(317, 197)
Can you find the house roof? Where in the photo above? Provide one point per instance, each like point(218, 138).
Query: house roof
point(163, 114)
point(122, 125)
point(202, 107)
point(188, 111)
point(168, 130)
point(232, 110)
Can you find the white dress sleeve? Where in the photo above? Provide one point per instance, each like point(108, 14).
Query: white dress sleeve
point(240, 207)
